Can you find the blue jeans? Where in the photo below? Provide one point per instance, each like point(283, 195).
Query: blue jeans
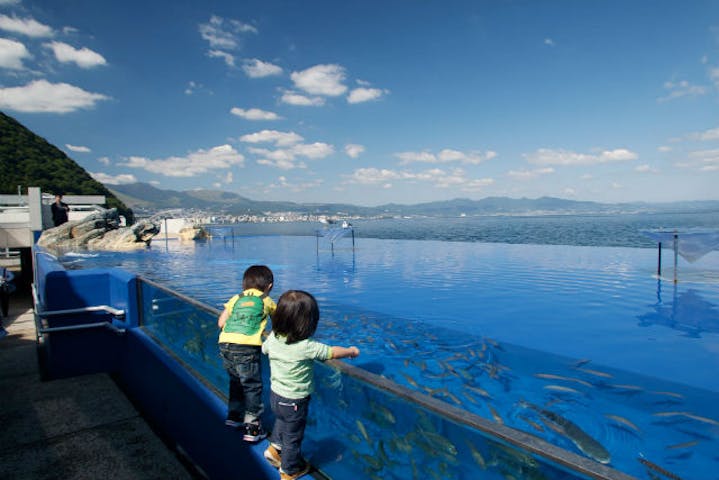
point(242, 363)
point(289, 429)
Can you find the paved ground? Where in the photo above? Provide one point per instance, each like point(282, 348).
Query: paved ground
point(76, 428)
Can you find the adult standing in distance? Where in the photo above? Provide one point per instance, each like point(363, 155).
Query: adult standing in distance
point(59, 210)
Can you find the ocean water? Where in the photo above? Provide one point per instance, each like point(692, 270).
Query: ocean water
point(507, 331)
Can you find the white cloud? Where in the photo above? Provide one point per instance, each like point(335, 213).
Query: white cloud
point(681, 89)
point(229, 178)
point(76, 148)
point(617, 186)
point(286, 158)
point(706, 135)
point(227, 57)
point(83, 58)
point(353, 150)
point(313, 151)
point(549, 42)
point(456, 178)
point(446, 155)
point(570, 192)
point(104, 160)
point(12, 54)
point(324, 80)
point(123, 178)
point(254, 114)
point(645, 168)
point(26, 26)
point(702, 161)
point(547, 156)
point(363, 94)
point(293, 98)
point(280, 139)
point(294, 186)
point(714, 76)
point(525, 174)
point(224, 33)
point(255, 68)
point(195, 163)
point(664, 148)
point(9, 2)
point(43, 96)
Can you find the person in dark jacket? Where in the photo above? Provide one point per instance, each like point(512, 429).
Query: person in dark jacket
point(59, 210)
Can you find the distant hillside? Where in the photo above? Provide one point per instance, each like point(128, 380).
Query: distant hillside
point(146, 196)
point(30, 161)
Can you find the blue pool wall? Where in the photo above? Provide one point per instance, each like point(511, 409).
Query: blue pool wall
point(185, 412)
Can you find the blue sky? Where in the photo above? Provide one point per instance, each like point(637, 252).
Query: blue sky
point(376, 101)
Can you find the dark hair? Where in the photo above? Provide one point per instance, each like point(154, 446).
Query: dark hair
point(296, 316)
point(257, 276)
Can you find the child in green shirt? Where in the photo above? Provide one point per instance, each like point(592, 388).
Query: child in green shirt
point(292, 353)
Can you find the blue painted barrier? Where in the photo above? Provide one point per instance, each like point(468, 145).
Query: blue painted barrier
point(188, 414)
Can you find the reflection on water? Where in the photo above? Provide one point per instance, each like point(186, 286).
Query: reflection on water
point(687, 312)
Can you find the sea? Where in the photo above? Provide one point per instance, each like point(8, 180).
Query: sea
point(558, 326)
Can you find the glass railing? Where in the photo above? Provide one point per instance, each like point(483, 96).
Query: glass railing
point(363, 425)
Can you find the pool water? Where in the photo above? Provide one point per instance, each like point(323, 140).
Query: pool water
point(508, 332)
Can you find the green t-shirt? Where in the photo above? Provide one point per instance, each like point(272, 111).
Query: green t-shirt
point(291, 366)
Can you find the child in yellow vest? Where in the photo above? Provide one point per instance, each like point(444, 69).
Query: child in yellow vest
point(242, 322)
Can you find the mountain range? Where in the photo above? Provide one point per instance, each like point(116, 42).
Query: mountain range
point(143, 196)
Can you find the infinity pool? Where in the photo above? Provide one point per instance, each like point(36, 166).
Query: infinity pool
point(508, 332)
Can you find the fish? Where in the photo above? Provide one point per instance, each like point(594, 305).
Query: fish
point(585, 443)
point(363, 431)
point(478, 458)
point(683, 445)
point(383, 412)
point(582, 362)
point(410, 380)
point(635, 388)
point(669, 394)
point(439, 442)
point(469, 397)
point(710, 421)
point(550, 376)
point(560, 388)
point(658, 469)
point(596, 373)
point(533, 424)
point(480, 391)
point(623, 421)
point(495, 415)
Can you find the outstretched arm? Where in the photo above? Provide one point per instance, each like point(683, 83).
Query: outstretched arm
point(344, 352)
point(223, 318)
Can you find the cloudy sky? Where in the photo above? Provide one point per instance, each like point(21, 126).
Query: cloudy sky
point(372, 102)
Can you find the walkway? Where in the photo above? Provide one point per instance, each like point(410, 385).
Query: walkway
point(75, 428)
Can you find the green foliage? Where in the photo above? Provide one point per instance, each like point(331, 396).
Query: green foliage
point(30, 161)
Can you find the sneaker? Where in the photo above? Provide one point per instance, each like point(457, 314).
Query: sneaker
point(233, 423)
point(292, 476)
point(272, 455)
point(254, 433)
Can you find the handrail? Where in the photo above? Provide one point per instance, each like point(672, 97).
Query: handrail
point(39, 315)
point(82, 326)
point(95, 308)
point(518, 438)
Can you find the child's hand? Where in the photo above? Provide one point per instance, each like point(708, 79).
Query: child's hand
point(354, 352)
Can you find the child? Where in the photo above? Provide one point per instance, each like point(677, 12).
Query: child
point(292, 352)
point(242, 322)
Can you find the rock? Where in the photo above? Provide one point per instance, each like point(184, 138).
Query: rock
point(192, 233)
point(99, 231)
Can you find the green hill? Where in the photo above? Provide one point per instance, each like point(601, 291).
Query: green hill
point(30, 161)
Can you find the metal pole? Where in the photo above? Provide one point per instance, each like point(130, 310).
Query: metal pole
point(353, 239)
point(659, 260)
point(676, 255)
